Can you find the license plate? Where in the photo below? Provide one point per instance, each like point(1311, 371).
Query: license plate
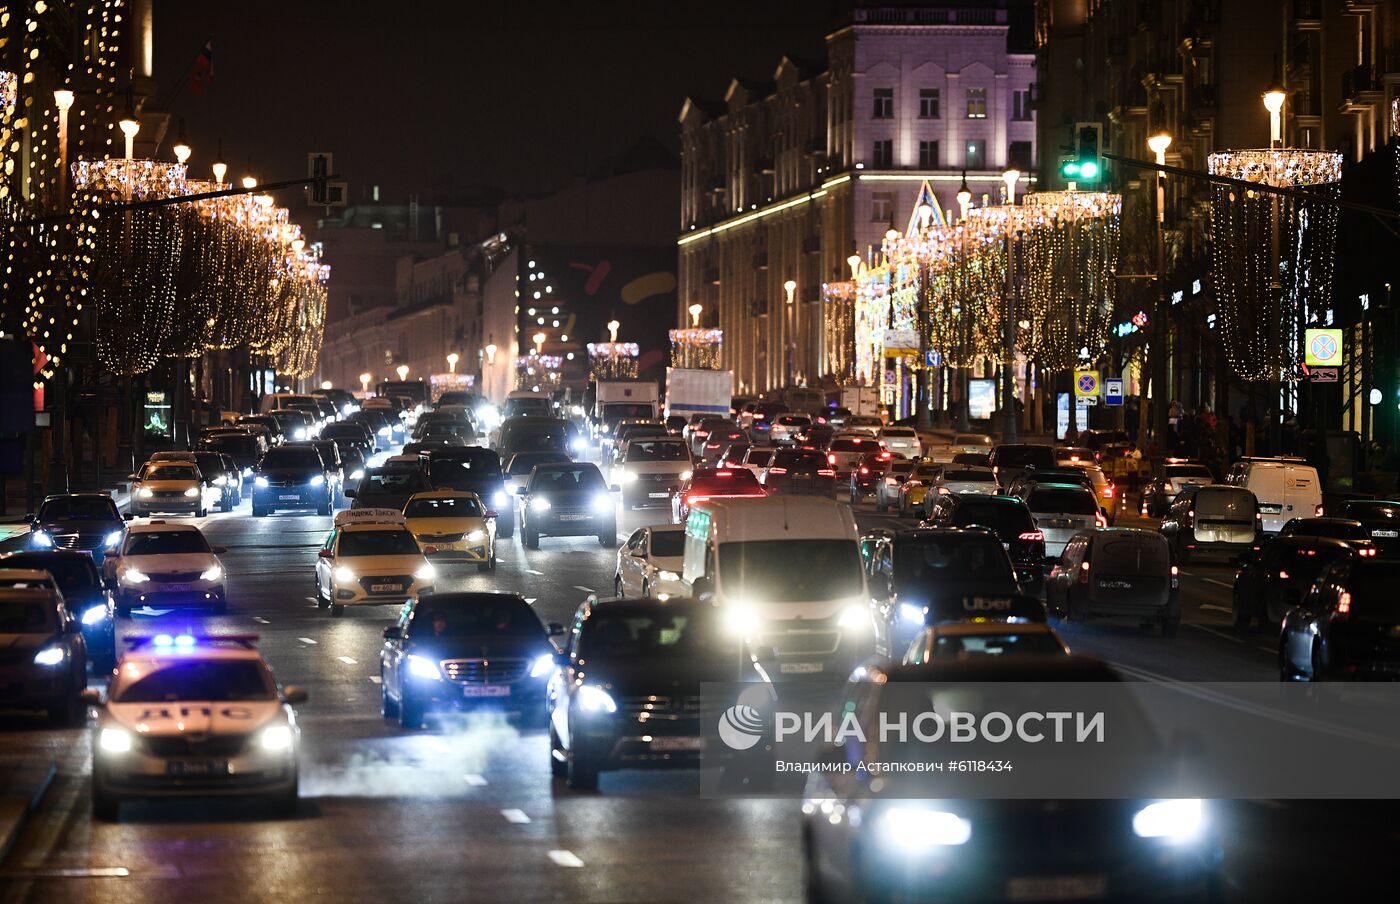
point(286, 496)
point(196, 767)
point(573, 517)
point(1116, 585)
point(486, 690)
point(175, 588)
point(802, 475)
point(1388, 534)
point(677, 743)
point(1056, 888)
point(799, 668)
point(658, 495)
point(385, 588)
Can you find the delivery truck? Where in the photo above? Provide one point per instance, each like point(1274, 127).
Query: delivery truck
point(617, 399)
point(691, 391)
point(861, 400)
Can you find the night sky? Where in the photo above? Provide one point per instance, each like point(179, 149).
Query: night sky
point(438, 98)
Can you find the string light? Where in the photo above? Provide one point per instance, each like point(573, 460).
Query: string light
point(613, 360)
point(697, 347)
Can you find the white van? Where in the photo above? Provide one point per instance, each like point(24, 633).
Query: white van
point(785, 572)
point(1285, 489)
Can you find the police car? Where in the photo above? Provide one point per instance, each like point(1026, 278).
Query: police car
point(194, 716)
point(371, 558)
point(453, 526)
point(165, 565)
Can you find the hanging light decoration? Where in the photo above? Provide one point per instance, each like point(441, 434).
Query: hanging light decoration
point(613, 360)
point(697, 347)
point(840, 301)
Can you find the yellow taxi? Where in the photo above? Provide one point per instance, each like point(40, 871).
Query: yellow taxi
point(171, 486)
point(370, 558)
point(916, 487)
point(453, 526)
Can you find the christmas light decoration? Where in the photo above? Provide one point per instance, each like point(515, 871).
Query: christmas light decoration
point(613, 360)
point(697, 347)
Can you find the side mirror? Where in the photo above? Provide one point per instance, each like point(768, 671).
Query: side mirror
point(615, 488)
point(555, 629)
point(91, 696)
point(326, 554)
point(30, 519)
point(219, 550)
point(294, 694)
point(349, 494)
point(132, 477)
point(492, 513)
point(393, 632)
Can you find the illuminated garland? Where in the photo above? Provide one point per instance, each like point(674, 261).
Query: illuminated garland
point(840, 320)
point(697, 347)
point(613, 360)
point(537, 373)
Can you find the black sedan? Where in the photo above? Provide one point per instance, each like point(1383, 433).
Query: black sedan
point(800, 472)
point(84, 594)
point(454, 652)
point(43, 665)
point(291, 477)
point(86, 521)
point(1381, 519)
point(1347, 627)
point(1010, 519)
point(628, 693)
point(473, 469)
point(567, 499)
point(388, 488)
point(1277, 577)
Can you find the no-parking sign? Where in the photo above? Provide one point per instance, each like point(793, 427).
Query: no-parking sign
point(1086, 383)
point(1322, 348)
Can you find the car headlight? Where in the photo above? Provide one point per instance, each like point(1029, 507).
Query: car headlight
point(854, 617)
point(385, 431)
point(134, 576)
point(146, 493)
point(300, 433)
point(1172, 820)
point(740, 619)
point(260, 481)
point(629, 477)
point(114, 740)
point(423, 667)
point(501, 500)
point(539, 504)
point(192, 492)
point(668, 576)
point(220, 481)
point(357, 474)
point(914, 829)
point(95, 616)
point(686, 475)
point(603, 503)
point(247, 472)
point(343, 575)
point(476, 536)
point(49, 656)
point(318, 479)
point(576, 444)
point(542, 666)
point(426, 573)
point(41, 539)
point(593, 699)
point(211, 574)
point(911, 613)
point(276, 737)
point(112, 539)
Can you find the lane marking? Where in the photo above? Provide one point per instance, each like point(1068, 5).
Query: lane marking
point(1270, 650)
point(533, 571)
point(1219, 583)
point(1226, 609)
point(374, 679)
point(565, 858)
point(307, 640)
point(530, 600)
point(346, 659)
point(516, 816)
point(260, 620)
point(311, 599)
point(1228, 637)
point(476, 781)
point(584, 589)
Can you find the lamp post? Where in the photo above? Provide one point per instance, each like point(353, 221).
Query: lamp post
point(613, 327)
point(249, 182)
point(402, 371)
point(1010, 178)
point(490, 353)
point(539, 343)
point(1274, 97)
point(695, 310)
point(58, 466)
point(964, 198)
point(220, 170)
point(790, 321)
point(1013, 311)
point(1158, 144)
point(130, 127)
point(364, 383)
point(452, 359)
point(854, 263)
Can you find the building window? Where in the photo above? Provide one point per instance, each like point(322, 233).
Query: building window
point(928, 155)
point(976, 154)
point(1019, 156)
point(1021, 105)
point(976, 103)
point(882, 156)
point(881, 206)
point(928, 103)
point(884, 103)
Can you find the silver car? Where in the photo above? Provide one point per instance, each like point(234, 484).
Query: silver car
point(1061, 511)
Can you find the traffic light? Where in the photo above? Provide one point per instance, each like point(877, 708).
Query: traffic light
point(1085, 162)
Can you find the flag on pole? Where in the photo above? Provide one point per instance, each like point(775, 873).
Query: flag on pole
point(202, 73)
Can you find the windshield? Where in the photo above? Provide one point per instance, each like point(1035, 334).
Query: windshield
point(1372, 588)
point(616, 411)
point(525, 462)
point(638, 635)
point(758, 457)
point(1200, 472)
point(534, 407)
point(547, 435)
point(79, 509)
point(159, 543)
point(394, 542)
point(969, 475)
point(73, 573)
point(1020, 456)
point(27, 616)
point(1372, 511)
point(392, 483)
point(335, 431)
point(967, 646)
point(1132, 555)
point(233, 445)
point(169, 472)
point(567, 480)
point(1006, 519)
point(739, 481)
point(930, 560)
point(464, 473)
point(902, 432)
point(456, 507)
point(206, 680)
point(791, 570)
point(668, 544)
point(296, 458)
point(1069, 502)
point(654, 450)
point(1317, 527)
point(500, 616)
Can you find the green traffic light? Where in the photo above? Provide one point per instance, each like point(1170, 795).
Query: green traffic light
point(1089, 169)
point(1070, 169)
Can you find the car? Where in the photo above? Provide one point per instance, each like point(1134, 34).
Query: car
point(353, 464)
point(1060, 511)
point(243, 446)
point(517, 469)
point(817, 436)
point(166, 565)
point(714, 483)
point(1117, 572)
point(972, 443)
point(758, 425)
point(1106, 491)
point(1008, 460)
point(1074, 455)
point(900, 839)
point(1349, 531)
point(628, 432)
point(355, 433)
point(866, 474)
point(846, 452)
point(786, 427)
point(335, 467)
point(1212, 520)
point(627, 692)
point(190, 715)
point(297, 425)
point(972, 459)
point(902, 441)
point(1031, 476)
point(222, 477)
point(1160, 492)
point(892, 477)
point(756, 458)
point(914, 491)
point(533, 433)
point(567, 499)
point(263, 424)
point(733, 456)
point(1347, 626)
point(930, 575)
point(863, 425)
point(404, 461)
point(1010, 519)
point(370, 558)
point(44, 664)
point(1279, 576)
point(171, 486)
point(380, 424)
point(453, 526)
point(712, 437)
point(649, 563)
point(291, 476)
point(390, 486)
point(1382, 520)
point(651, 469)
point(475, 470)
point(1285, 488)
point(964, 480)
point(455, 652)
point(85, 521)
point(799, 472)
point(84, 593)
point(971, 640)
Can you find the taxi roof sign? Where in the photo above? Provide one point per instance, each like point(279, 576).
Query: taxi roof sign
point(369, 516)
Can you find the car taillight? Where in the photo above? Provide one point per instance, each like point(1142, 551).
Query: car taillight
point(826, 472)
point(1368, 553)
point(1175, 581)
point(1100, 520)
point(759, 415)
point(701, 432)
point(1108, 491)
point(1084, 572)
point(1098, 456)
point(691, 500)
point(885, 456)
point(1344, 603)
point(944, 491)
point(830, 458)
point(777, 470)
point(892, 481)
point(1282, 575)
point(1033, 535)
point(724, 473)
point(1317, 511)
point(1190, 517)
point(864, 470)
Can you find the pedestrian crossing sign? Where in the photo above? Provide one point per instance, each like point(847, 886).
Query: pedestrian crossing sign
point(1086, 383)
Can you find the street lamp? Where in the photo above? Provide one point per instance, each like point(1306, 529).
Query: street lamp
point(364, 383)
point(220, 170)
point(1011, 177)
point(402, 371)
point(1158, 143)
point(452, 359)
point(695, 310)
point(250, 182)
point(925, 212)
point(1274, 97)
point(326, 384)
point(964, 198)
point(490, 353)
point(613, 327)
point(854, 263)
point(539, 343)
point(790, 287)
point(129, 127)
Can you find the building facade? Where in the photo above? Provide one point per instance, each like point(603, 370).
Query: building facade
point(784, 180)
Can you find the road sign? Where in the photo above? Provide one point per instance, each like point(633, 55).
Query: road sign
point(1322, 348)
point(1323, 375)
point(1113, 391)
point(1086, 383)
point(932, 358)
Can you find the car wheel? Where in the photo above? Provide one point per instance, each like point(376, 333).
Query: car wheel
point(483, 566)
point(1319, 669)
point(608, 538)
point(325, 507)
point(558, 766)
point(410, 712)
point(618, 590)
point(259, 511)
point(581, 773)
point(505, 528)
point(646, 590)
point(492, 564)
point(387, 707)
point(530, 537)
point(201, 512)
point(337, 610)
point(105, 807)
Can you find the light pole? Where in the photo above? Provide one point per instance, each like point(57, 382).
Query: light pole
point(613, 327)
point(695, 310)
point(58, 467)
point(220, 170)
point(402, 371)
point(790, 287)
point(452, 359)
point(964, 198)
point(964, 372)
point(364, 383)
point(539, 343)
point(1274, 97)
point(1158, 144)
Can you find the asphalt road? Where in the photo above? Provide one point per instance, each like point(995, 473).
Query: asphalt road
point(467, 809)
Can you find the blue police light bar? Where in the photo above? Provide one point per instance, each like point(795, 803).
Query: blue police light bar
point(186, 641)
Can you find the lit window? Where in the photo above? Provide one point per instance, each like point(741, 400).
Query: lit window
point(976, 103)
